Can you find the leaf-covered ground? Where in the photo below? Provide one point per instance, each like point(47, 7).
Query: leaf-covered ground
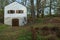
point(24, 32)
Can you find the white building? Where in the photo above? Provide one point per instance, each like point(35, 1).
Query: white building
point(15, 14)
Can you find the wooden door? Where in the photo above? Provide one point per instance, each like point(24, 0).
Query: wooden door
point(15, 22)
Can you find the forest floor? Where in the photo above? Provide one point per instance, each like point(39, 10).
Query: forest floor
point(47, 29)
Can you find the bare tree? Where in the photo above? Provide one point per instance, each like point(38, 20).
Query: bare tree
point(32, 10)
point(43, 4)
point(58, 6)
point(38, 7)
point(50, 6)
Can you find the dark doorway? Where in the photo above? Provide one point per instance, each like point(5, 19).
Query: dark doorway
point(15, 22)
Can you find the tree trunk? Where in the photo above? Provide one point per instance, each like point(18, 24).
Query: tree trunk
point(50, 7)
point(32, 10)
point(25, 2)
point(42, 15)
point(43, 4)
point(38, 7)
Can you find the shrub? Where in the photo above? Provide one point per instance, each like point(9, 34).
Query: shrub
point(55, 29)
point(45, 28)
point(52, 38)
point(58, 34)
point(1, 16)
point(45, 31)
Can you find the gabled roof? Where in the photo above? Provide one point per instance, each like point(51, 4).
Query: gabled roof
point(14, 3)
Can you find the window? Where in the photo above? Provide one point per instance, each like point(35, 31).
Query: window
point(11, 11)
point(19, 11)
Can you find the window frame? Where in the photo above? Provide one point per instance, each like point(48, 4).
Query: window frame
point(11, 11)
point(19, 11)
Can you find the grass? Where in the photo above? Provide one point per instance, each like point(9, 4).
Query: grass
point(24, 32)
point(20, 33)
point(2, 27)
point(14, 33)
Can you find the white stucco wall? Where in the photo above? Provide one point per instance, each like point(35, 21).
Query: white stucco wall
point(15, 6)
point(8, 21)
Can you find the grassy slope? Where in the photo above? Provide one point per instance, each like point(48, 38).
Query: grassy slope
point(14, 33)
point(23, 33)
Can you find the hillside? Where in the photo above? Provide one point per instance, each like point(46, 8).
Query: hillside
point(46, 29)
